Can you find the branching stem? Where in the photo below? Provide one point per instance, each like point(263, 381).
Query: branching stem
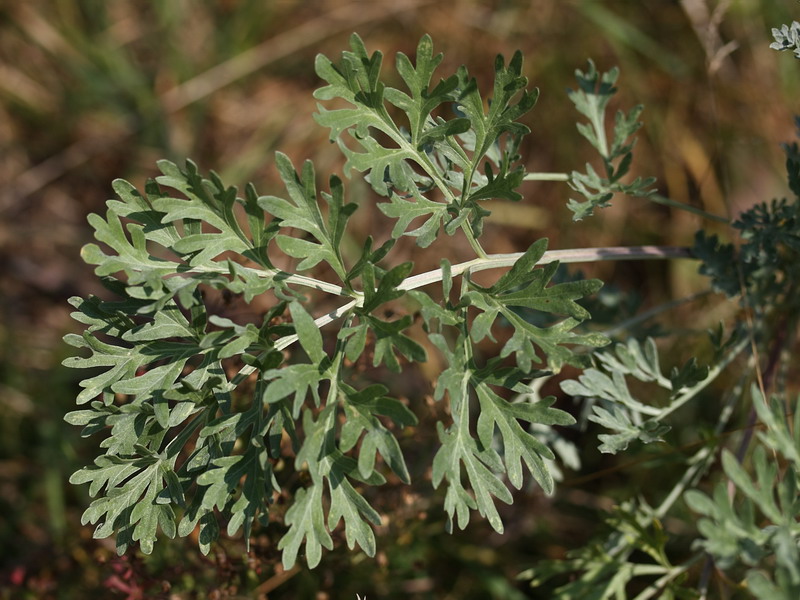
point(498, 261)
point(689, 393)
point(576, 255)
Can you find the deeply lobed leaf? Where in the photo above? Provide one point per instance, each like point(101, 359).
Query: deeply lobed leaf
point(201, 403)
point(429, 152)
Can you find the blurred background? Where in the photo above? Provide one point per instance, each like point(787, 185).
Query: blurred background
point(92, 90)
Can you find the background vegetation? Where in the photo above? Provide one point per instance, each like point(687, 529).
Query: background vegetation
point(92, 90)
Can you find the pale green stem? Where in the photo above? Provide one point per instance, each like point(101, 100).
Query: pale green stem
point(546, 177)
point(322, 286)
point(288, 340)
point(641, 570)
point(423, 161)
point(686, 480)
point(492, 261)
point(430, 169)
point(576, 255)
point(669, 574)
point(243, 374)
point(698, 464)
point(309, 282)
point(497, 261)
point(473, 240)
point(320, 322)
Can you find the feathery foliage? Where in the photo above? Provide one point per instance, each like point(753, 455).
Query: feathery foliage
point(209, 421)
point(201, 408)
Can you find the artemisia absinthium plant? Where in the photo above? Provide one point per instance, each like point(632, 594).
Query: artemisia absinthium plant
point(204, 416)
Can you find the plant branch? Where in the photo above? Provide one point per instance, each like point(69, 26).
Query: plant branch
point(669, 574)
point(295, 279)
point(546, 177)
point(473, 240)
point(659, 199)
point(576, 255)
point(320, 322)
point(316, 284)
point(492, 261)
point(713, 372)
point(700, 461)
point(765, 387)
point(656, 310)
point(497, 261)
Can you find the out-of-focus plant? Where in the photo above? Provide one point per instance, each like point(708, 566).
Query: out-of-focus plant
point(747, 530)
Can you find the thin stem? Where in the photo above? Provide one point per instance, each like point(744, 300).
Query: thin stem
point(322, 286)
point(657, 586)
point(320, 322)
point(658, 199)
point(462, 406)
point(576, 255)
point(423, 161)
point(288, 340)
point(497, 261)
point(765, 382)
point(699, 462)
point(641, 570)
point(303, 280)
point(473, 240)
point(656, 310)
point(546, 177)
point(691, 392)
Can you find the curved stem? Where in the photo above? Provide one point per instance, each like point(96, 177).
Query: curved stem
point(303, 280)
point(316, 284)
point(576, 255)
point(497, 261)
point(320, 322)
point(473, 240)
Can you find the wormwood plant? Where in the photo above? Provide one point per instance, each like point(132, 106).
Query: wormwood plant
point(209, 420)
